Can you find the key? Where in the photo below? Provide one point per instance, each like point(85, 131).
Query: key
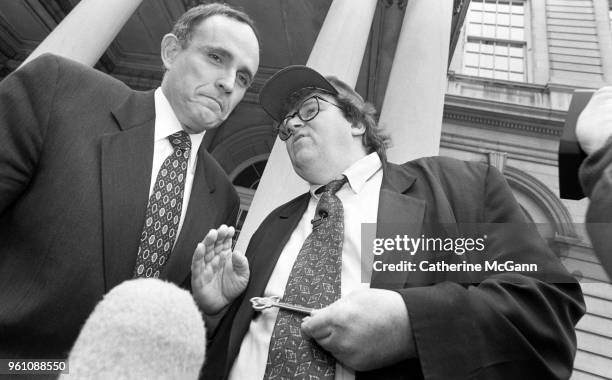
point(260, 303)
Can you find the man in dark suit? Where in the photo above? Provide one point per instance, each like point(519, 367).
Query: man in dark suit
point(80, 154)
point(393, 323)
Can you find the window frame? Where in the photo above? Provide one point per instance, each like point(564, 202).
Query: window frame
point(475, 69)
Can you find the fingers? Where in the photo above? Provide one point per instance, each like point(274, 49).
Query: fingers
point(218, 242)
point(223, 242)
point(240, 264)
point(319, 324)
point(225, 234)
point(209, 244)
point(198, 257)
point(228, 236)
point(204, 260)
point(212, 259)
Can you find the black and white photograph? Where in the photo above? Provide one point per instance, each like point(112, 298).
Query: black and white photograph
point(306, 189)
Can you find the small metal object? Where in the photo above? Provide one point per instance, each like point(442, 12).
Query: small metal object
point(317, 221)
point(260, 303)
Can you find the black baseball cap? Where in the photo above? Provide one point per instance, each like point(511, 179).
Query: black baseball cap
point(287, 81)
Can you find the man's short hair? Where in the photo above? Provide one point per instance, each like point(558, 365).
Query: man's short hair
point(184, 26)
point(355, 110)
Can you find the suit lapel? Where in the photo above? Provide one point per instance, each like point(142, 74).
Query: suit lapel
point(201, 216)
point(399, 213)
point(268, 250)
point(271, 246)
point(126, 161)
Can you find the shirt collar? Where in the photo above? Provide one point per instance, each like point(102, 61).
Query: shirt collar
point(166, 122)
point(357, 174)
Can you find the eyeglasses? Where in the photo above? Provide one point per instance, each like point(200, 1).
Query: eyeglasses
point(308, 110)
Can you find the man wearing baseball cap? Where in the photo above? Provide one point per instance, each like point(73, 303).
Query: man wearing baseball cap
point(391, 323)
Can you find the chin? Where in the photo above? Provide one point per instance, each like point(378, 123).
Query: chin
point(303, 158)
point(192, 130)
point(203, 125)
point(306, 166)
point(207, 119)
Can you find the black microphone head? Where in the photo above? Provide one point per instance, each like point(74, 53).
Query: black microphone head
point(142, 329)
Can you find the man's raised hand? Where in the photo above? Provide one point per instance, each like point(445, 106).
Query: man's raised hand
point(218, 275)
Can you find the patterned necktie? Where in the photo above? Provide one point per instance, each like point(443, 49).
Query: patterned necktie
point(314, 282)
point(164, 210)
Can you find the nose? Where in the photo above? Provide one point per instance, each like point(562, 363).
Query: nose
point(226, 81)
point(294, 123)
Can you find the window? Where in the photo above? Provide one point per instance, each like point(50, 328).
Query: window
point(249, 177)
point(495, 46)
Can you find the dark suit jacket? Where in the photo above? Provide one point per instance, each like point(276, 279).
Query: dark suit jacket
point(76, 150)
point(507, 326)
point(596, 181)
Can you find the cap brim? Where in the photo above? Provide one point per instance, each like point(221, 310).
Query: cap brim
point(285, 82)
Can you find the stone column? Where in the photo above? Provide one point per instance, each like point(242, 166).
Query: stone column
point(414, 100)
point(604, 37)
point(539, 40)
point(87, 31)
point(338, 51)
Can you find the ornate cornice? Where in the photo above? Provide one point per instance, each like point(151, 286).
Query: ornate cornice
point(518, 118)
point(474, 119)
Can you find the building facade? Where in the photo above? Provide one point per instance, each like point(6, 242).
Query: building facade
point(510, 84)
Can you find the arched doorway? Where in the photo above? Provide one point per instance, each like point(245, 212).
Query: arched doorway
point(245, 178)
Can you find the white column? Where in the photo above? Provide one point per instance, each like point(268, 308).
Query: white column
point(87, 31)
point(338, 51)
point(540, 66)
point(604, 36)
point(414, 100)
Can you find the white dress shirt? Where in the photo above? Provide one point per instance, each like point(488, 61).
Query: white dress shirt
point(360, 202)
point(166, 124)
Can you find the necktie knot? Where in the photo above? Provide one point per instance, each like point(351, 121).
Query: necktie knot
point(333, 186)
point(180, 140)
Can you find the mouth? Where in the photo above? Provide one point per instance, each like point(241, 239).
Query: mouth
point(217, 101)
point(298, 137)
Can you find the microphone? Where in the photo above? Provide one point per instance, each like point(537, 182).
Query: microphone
point(142, 329)
point(316, 222)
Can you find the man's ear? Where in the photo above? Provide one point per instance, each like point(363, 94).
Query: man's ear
point(170, 47)
point(358, 129)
